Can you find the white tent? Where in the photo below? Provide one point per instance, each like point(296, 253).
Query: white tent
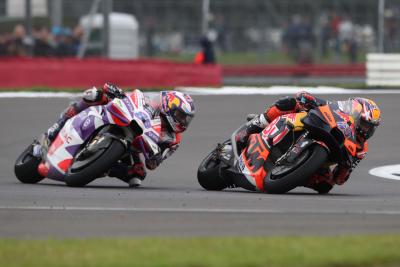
point(123, 35)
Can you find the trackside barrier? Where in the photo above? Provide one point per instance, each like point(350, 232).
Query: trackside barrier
point(71, 72)
point(383, 70)
point(309, 70)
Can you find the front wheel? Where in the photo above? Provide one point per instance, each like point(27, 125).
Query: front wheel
point(282, 180)
point(208, 173)
point(25, 167)
point(90, 165)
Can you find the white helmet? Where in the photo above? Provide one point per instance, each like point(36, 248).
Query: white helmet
point(178, 109)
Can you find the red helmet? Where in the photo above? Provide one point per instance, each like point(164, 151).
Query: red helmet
point(370, 117)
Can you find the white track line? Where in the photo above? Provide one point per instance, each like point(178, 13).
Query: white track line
point(39, 95)
point(198, 210)
point(387, 172)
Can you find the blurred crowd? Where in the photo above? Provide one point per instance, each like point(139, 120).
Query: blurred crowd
point(332, 34)
point(57, 42)
point(327, 38)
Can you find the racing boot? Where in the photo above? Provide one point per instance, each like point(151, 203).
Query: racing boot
point(131, 171)
point(51, 134)
point(132, 175)
point(255, 124)
point(135, 182)
point(53, 131)
point(48, 137)
point(91, 96)
point(138, 173)
point(68, 113)
point(37, 149)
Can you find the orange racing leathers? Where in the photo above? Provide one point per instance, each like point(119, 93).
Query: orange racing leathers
point(326, 178)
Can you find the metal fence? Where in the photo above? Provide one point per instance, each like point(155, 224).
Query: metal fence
point(251, 31)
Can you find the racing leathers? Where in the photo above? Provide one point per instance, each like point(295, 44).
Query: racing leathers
point(324, 180)
point(131, 170)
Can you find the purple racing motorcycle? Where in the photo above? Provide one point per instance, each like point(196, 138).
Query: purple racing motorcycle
point(92, 142)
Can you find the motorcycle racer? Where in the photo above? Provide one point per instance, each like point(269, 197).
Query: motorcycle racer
point(170, 111)
point(365, 112)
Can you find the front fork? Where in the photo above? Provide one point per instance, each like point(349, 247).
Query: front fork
point(301, 144)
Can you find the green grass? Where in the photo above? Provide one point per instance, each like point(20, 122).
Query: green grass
point(336, 251)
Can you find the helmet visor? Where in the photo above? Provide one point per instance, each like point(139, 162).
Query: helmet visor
point(367, 129)
point(182, 118)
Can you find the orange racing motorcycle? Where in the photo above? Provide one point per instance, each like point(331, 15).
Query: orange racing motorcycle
point(285, 154)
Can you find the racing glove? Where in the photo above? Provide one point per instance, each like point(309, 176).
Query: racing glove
point(153, 162)
point(95, 96)
point(113, 91)
point(343, 171)
point(157, 159)
point(305, 100)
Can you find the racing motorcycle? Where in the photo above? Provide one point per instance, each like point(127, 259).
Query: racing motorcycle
point(285, 154)
point(92, 142)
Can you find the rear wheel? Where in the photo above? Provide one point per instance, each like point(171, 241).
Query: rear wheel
point(93, 163)
point(25, 167)
point(288, 176)
point(208, 173)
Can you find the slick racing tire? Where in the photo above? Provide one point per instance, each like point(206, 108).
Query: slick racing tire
point(85, 170)
point(208, 174)
point(25, 167)
point(311, 160)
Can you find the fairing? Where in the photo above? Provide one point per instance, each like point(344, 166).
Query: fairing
point(337, 128)
point(252, 160)
point(80, 128)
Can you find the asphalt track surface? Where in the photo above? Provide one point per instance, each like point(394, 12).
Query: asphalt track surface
point(171, 203)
